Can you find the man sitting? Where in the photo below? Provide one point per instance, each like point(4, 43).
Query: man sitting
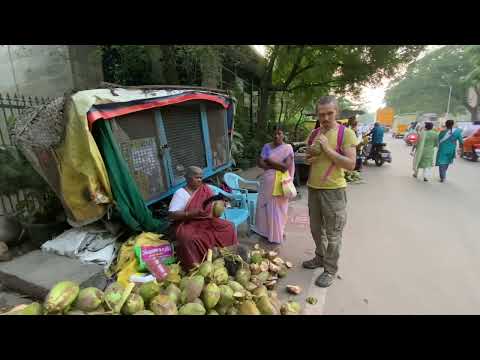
point(196, 229)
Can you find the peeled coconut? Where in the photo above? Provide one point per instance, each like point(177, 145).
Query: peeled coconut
point(61, 296)
point(293, 289)
point(88, 299)
point(192, 309)
point(255, 269)
point(211, 295)
point(149, 290)
point(133, 305)
point(163, 305)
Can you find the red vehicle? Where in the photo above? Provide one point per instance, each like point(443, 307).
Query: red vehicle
point(411, 138)
point(471, 147)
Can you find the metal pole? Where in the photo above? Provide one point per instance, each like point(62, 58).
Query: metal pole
point(448, 105)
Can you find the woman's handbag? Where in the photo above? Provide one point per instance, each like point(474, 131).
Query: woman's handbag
point(283, 185)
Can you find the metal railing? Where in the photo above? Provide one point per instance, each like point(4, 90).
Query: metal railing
point(10, 107)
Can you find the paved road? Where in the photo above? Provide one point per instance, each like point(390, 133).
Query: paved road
point(410, 247)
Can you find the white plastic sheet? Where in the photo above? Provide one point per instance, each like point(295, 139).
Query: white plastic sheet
point(91, 244)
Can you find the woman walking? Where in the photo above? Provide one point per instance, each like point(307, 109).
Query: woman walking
point(448, 139)
point(271, 215)
point(425, 151)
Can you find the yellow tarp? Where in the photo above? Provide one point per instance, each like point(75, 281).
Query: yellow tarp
point(127, 262)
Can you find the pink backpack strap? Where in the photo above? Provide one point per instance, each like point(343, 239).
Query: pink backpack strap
point(312, 136)
point(340, 136)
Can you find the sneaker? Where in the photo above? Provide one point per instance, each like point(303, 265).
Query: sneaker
point(325, 280)
point(425, 179)
point(414, 175)
point(314, 263)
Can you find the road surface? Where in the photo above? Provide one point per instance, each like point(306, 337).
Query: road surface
point(410, 247)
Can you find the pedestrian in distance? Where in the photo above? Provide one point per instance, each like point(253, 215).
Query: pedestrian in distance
point(425, 151)
point(330, 150)
point(448, 139)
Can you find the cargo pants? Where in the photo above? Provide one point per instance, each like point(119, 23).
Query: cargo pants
point(328, 216)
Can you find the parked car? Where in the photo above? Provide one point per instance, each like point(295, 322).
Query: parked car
point(471, 147)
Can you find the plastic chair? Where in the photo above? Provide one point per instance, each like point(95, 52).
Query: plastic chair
point(235, 215)
point(233, 182)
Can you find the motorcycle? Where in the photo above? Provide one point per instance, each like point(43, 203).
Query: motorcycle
point(379, 153)
point(411, 139)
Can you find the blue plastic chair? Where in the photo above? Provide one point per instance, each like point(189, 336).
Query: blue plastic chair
point(235, 215)
point(233, 182)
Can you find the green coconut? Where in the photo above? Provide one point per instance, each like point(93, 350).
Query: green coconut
point(220, 262)
point(260, 291)
point(218, 208)
point(61, 296)
point(192, 309)
point(263, 276)
point(212, 312)
point(236, 287)
point(173, 278)
point(232, 310)
point(226, 295)
point(291, 308)
point(206, 269)
point(34, 308)
point(149, 290)
point(113, 295)
point(243, 275)
point(248, 307)
point(76, 312)
point(250, 286)
point(222, 309)
point(174, 268)
point(163, 305)
point(88, 299)
point(133, 305)
point(144, 312)
point(173, 292)
point(283, 272)
point(192, 289)
point(220, 275)
point(211, 295)
point(256, 257)
point(265, 306)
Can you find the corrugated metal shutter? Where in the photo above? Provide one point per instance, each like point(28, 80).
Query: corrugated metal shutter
point(136, 134)
point(184, 136)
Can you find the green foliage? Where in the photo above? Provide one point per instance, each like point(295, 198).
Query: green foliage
point(126, 64)
point(425, 85)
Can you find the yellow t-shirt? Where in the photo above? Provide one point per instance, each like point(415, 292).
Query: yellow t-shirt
point(321, 163)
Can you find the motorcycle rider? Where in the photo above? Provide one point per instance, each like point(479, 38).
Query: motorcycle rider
point(377, 138)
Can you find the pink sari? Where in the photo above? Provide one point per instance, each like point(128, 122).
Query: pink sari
point(271, 215)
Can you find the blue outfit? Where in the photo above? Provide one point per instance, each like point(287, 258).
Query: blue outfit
point(446, 150)
point(377, 135)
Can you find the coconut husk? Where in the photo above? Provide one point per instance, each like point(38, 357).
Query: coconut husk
point(248, 307)
point(211, 295)
point(163, 305)
point(265, 306)
point(192, 309)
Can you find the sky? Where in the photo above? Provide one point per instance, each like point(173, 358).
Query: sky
point(371, 97)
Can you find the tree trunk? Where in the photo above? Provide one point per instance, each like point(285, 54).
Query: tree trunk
point(156, 57)
point(170, 65)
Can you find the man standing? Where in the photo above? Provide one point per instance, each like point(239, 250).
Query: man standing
point(326, 187)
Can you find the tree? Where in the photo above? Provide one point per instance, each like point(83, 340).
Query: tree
point(313, 70)
point(425, 85)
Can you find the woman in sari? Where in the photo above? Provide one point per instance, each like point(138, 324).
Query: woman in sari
point(446, 149)
point(271, 214)
point(196, 230)
point(424, 151)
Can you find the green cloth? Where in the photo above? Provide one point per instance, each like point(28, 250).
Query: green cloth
point(129, 201)
point(426, 149)
point(447, 149)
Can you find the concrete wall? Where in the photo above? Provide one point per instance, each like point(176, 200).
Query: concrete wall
point(48, 70)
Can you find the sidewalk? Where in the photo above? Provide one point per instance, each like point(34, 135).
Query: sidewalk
point(299, 246)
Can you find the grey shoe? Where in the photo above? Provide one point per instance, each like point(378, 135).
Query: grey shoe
point(325, 280)
point(314, 263)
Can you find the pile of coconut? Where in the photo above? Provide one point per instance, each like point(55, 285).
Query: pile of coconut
point(225, 285)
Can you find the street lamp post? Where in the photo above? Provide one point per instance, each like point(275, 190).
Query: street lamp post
point(449, 97)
